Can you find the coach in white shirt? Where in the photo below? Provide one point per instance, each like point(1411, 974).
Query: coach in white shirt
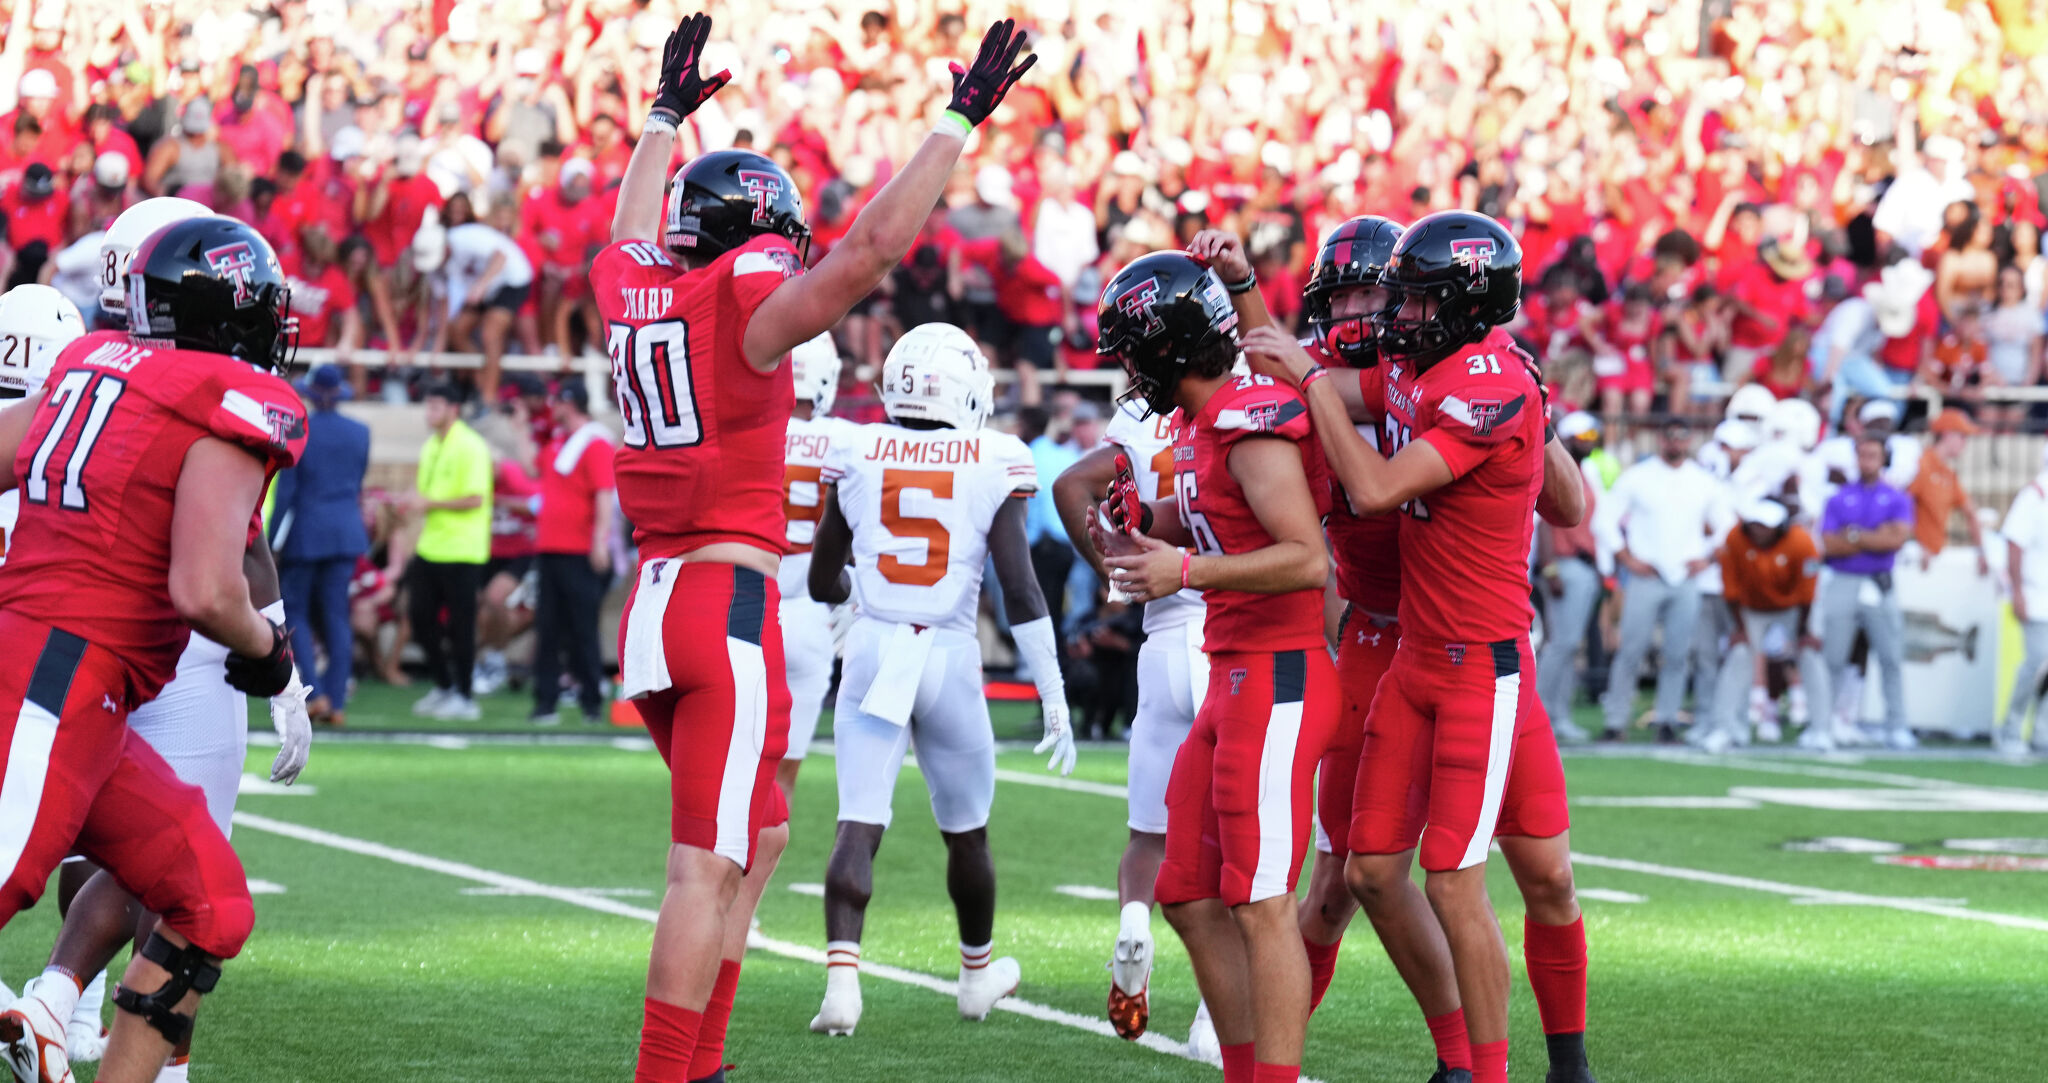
point(1663, 521)
point(2026, 539)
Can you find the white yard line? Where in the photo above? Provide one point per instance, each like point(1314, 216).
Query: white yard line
point(519, 885)
point(1818, 769)
point(1797, 892)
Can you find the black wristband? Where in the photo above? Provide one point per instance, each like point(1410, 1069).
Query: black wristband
point(1250, 282)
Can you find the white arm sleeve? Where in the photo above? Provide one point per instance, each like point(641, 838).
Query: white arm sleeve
point(1040, 651)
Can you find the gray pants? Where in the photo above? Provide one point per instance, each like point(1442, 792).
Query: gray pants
point(1709, 647)
point(1843, 612)
point(1648, 601)
point(1731, 695)
point(1557, 672)
point(2024, 686)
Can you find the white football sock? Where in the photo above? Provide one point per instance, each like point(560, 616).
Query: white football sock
point(59, 990)
point(975, 956)
point(842, 965)
point(87, 1013)
point(177, 1071)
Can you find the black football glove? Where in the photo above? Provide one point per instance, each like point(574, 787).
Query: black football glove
point(979, 89)
point(682, 90)
point(266, 676)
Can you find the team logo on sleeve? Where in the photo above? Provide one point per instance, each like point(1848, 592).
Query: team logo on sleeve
point(286, 424)
point(1262, 416)
point(764, 187)
point(1141, 302)
point(1482, 416)
point(237, 263)
point(1474, 253)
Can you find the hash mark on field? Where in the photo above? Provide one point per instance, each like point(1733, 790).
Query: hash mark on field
point(815, 891)
point(573, 897)
point(1815, 895)
point(612, 892)
point(1087, 891)
point(1669, 801)
point(1606, 894)
point(265, 887)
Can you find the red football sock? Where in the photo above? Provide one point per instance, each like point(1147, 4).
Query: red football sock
point(1237, 1063)
point(1453, 1046)
point(1322, 966)
point(1490, 1062)
point(1556, 958)
point(666, 1039)
point(710, 1054)
point(1275, 1073)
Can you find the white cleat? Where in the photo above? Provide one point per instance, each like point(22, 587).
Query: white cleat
point(86, 1035)
point(1902, 740)
point(1816, 738)
point(1769, 733)
point(1202, 1043)
point(980, 989)
point(34, 1037)
point(1716, 742)
point(458, 708)
point(431, 704)
point(1130, 974)
point(840, 1012)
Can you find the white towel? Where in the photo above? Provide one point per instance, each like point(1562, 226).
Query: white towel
point(897, 673)
point(643, 664)
point(572, 449)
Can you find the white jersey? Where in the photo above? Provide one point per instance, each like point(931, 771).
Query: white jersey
point(10, 510)
point(920, 503)
point(1149, 443)
point(804, 462)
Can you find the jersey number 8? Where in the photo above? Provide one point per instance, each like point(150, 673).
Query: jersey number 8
point(651, 366)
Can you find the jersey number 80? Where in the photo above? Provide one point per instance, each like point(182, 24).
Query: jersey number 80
point(657, 398)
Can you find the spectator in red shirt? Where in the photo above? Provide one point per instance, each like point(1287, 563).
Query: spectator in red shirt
point(322, 297)
point(391, 206)
point(561, 222)
point(39, 98)
point(34, 220)
point(1031, 301)
point(254, 123)
point(1627, 341)
point(607, 151)
point(1766, 298)
point(576, 509)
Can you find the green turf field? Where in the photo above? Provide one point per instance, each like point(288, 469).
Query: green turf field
point(468, 910)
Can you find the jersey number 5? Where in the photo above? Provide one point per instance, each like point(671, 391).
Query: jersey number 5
point(937, 540)
point(65, 397)
point(657, 399)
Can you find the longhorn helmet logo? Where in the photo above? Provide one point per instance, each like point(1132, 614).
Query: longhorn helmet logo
point(236, 263)
point(1474, 254)
point(765, 187)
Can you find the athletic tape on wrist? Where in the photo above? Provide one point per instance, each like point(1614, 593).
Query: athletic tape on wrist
point(952, 122)
point(659, 121)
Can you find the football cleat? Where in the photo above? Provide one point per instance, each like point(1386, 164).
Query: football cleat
point(1715, 742)
point(979, 989)
point(840, 1012)
point(431, 704)
point(715, 1077)
point(1580, 1074)
point(1902, 740)
point(1816, 738)
point(1450, 1075)
point(86, 1035)
point(1202, 1043)
point(34, 1038)
point(458, 708)
point(1130, 978)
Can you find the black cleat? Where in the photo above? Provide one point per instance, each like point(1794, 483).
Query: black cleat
point(715, 1077)
point(1450, 1075)
point(1580, 1074)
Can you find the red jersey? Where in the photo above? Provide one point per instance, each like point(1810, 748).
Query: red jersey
point(568, 498)
point(34, 219)
point(1465, 547)
point(703, 443)
point(515, 525)
point(392, 229)
point(318, 300)
point(1780, 301)
point(1367, 548)
point(91, 552)
point(1213, 506)
point(563, 232)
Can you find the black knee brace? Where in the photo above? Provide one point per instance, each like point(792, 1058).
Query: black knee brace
point(191, 970)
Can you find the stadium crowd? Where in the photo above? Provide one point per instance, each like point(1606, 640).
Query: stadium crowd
point(1832, 202)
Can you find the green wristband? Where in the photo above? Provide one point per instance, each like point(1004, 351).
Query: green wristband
point(953, 123)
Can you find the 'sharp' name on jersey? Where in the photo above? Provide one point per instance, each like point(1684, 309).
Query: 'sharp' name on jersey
point(965, 449)
point(647, 303)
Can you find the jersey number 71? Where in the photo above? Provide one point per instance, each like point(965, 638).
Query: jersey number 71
point(657, 398)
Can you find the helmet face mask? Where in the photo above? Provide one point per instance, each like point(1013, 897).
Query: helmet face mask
point(721, 200)
point(936, 373)
point(1453, 277)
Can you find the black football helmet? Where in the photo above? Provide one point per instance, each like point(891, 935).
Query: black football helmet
point(1354, 255)
point(726, 198)
point(212, 284)
point(1468, 270)
point(1156, 314)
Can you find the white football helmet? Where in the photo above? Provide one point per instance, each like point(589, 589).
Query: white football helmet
point(937, 373)
point(35, 323)
point(1751, 403)
point(1795, 420)
point(814, 366)
point(127, 233)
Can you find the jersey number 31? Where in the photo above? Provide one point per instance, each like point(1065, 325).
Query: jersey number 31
point(657, 398)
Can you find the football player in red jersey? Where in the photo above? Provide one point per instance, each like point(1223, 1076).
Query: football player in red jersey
point(1251, 496)
point(150, 451)
point(1457, 750)
point(700, 312)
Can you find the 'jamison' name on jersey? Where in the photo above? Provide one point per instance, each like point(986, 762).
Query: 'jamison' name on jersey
point(935, 453)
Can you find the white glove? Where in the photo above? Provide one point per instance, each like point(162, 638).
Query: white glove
point(1059, 736)
point(294, 731)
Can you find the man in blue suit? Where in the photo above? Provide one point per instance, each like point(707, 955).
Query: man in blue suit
point(316, 529)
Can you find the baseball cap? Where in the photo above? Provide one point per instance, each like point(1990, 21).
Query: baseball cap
point(1735, 435)
point(529, 62)
point(37, 180)
point(574, 168)
point(1765, 512)
point(1879, 410)
point(992, 184)
point(1953, 421)
point(38, 83)
point(110, 170)
point(347, 143)
point(197, 119)
point(1578, 425)
point(327, 382)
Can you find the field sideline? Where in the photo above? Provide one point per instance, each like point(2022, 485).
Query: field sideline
point(470, 910)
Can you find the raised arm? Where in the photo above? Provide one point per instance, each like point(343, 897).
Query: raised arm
point(810, 304)
point(682, 90)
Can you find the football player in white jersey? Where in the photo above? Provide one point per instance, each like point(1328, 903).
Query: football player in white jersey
point(198, 723)
point(35, 322)
point(918, 504)
point(807, 646)
point(1172, 675)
